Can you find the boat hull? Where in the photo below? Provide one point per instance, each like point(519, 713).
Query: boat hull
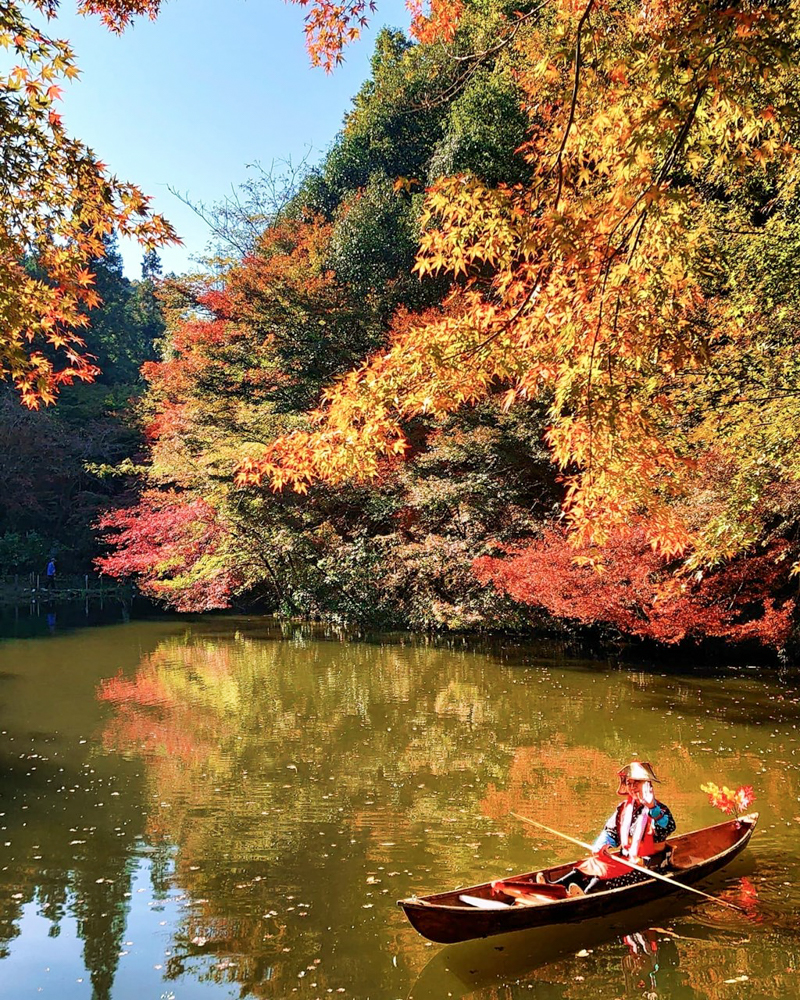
point(445, 919)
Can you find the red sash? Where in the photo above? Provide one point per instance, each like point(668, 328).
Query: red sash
point(638, 833)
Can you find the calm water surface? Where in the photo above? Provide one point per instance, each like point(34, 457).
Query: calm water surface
point(217, 809)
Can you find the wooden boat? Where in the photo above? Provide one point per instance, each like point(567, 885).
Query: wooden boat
point(459, 915)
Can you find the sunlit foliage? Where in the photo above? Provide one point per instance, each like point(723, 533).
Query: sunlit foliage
point(581, 218)
point(656, 133)
point(59, 203)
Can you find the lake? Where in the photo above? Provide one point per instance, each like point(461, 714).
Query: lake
point(224, 807)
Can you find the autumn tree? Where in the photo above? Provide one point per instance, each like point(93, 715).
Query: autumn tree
point(658, 134)
point(300, 301)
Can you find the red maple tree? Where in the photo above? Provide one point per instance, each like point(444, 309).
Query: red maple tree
point(172, 545)
point(628, 586)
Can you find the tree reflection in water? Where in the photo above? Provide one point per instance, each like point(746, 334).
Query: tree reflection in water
point(284, 791)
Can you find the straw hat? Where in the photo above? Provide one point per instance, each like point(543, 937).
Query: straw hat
point(637, 770)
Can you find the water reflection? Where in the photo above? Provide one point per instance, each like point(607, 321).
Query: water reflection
point(218, 808)
point(641, 963)
point(696, 962)
point(43, 615)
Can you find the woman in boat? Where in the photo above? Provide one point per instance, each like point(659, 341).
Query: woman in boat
point(639, 826)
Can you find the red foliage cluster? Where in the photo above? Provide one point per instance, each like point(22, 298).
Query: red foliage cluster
point(191, 343)
point(161, 540)
point(633, 589)
point(287, 274)
point(116, 14)
point(729, 801)
point(212, 356)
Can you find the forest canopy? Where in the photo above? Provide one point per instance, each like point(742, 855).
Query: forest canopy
point(532, 318)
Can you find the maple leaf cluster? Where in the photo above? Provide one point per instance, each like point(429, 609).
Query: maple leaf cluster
point(116, 14)
point(729, 801)
point(330, 26)
point(174, 546)
point(59, 205)
point(440, 22)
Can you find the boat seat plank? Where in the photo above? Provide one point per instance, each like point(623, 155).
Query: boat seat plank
point(484, 904)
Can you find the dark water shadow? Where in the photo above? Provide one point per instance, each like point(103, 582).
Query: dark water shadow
point(42, 618)
point(520, 650)
point(741, 706)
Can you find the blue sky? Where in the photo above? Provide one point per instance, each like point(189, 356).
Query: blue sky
point(189, 100)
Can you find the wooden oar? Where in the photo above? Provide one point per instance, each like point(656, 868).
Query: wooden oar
point(629, 864)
